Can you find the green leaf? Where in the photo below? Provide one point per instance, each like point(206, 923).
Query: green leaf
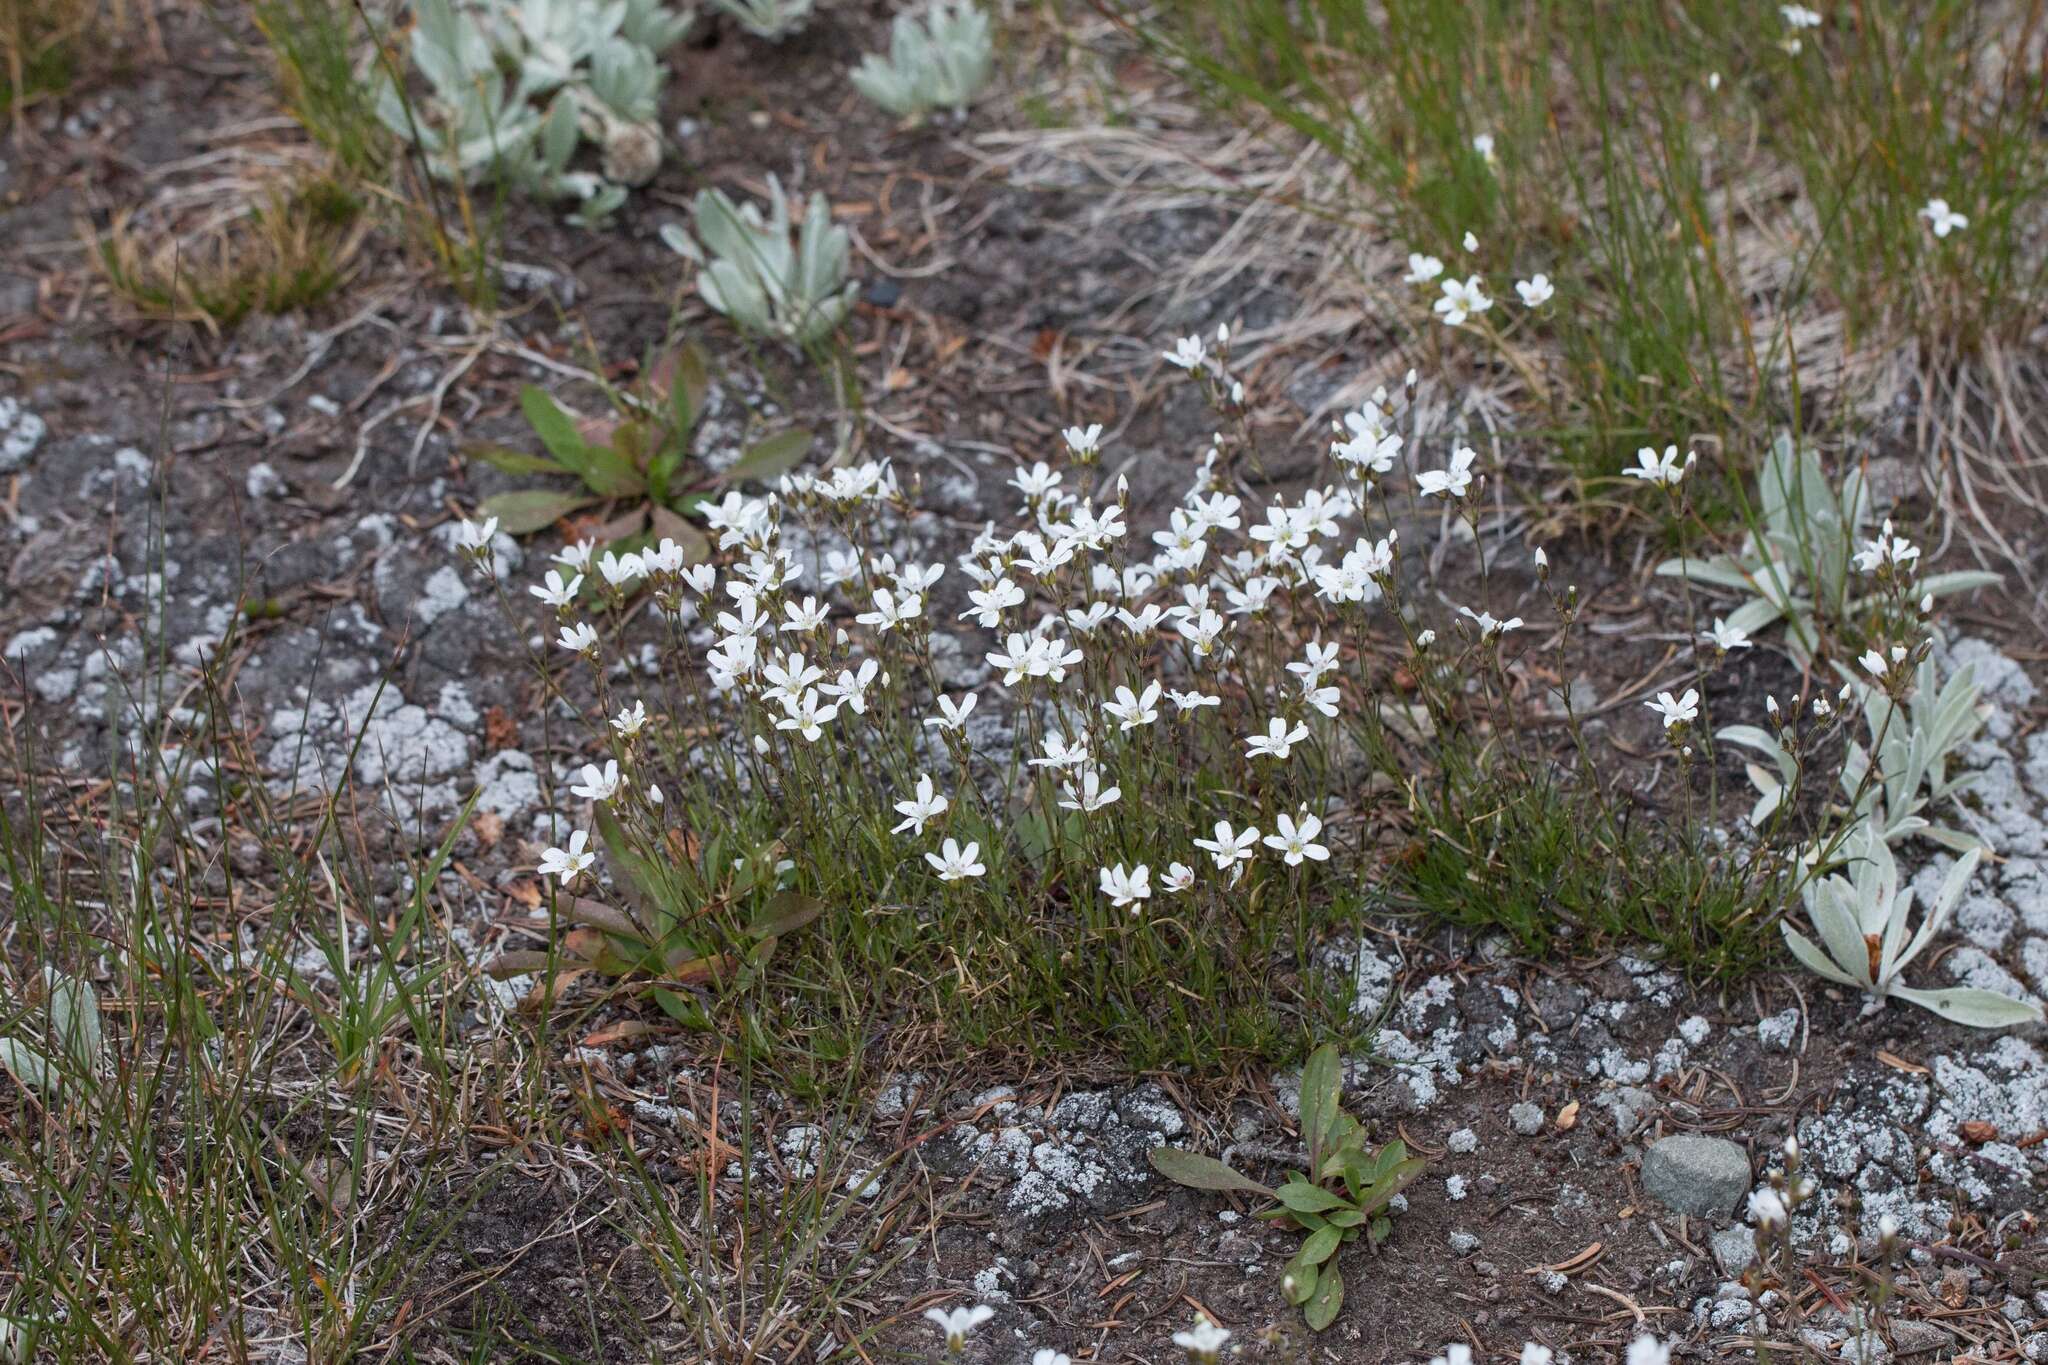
point(1391, 1184)
point(531, 509)
point(787, 911)
point(520, 462)
point(1320, 1245)
point(557, 431)
point(683, 1009)
point(1298, 1280)
point(1322, 1091)
point(688, 390)
point(1322, 1310)
point(1302, 1197)
point(1199, 1172)
point(1972, 1005)
point(765, 459)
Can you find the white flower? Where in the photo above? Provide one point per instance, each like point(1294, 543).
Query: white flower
point(1179, 877)
point(1482, 143)
point(1876, 663)
point(1488, 624)
point(631, 719)
point(1470, 242)
point(952, 863)
point(599, 784)
point(1189, 353)
point(1887, 551)
point(891, 610)
point(1230, 848)
point(1126, 887)
point(1036, 482)
point(1941, 219)
point(1317, 659)
point(1535, 291)
point(957, 1323)
point(1083, 441)
point(1796, 16)
point(1277, 742)
point(806, 716)
point(1766, 1208)
point(1452, 482)
point(1060, 754)
point(475, 536)
point(576, 558)
point(1677, 710)
point(1131, 709)
point(1666, 469)
point(619, 570)
point(1422, 269)
point(1296, 841)
point(570, 863)
point(953, 714)
point(1533, 1354)
point(1204, 1341)
point(1647, 1350)
point(1089, 794)
point(1726, 637)
point(555, 592)
point(1462, 299)
point(989, 603)
point(1189, 701)
point(580, 638)
point(851, 689)
point(806, 618)
point(926, 805)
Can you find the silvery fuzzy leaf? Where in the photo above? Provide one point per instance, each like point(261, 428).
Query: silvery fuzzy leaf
point(1972, 1006)
point(1814, 959)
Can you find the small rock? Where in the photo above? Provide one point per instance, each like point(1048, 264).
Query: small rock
point(1734, 1250)
point(1701, 1176)
point(1911, 1337)
point(1526, 1118)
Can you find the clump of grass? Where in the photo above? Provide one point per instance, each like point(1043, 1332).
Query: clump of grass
point(1700, 181)
point(39, 47)
point(290, 249)
point(314, 46)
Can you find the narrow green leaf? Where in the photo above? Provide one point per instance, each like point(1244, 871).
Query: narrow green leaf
point(1303, 1197)
point(1199, 1172)
point(1322, 1310)
point(531, 509)
point(772, 456)
point(520, 462)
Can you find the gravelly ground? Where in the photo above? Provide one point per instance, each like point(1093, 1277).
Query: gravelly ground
point(156, 478)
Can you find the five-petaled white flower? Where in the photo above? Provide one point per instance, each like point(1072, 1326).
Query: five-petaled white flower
point(580, 638)
point(1296, 839)
point(476, 536)
point(1131, 709)
point(1482, 143)
point(1278, 741)
point(952, 863)
point(1666, 469)
point(631, 720)
point(1677, 710)
point(1179, 877)
point(1088, 794)
point(1229, 848)
point(555, 592)
point(599, 784)
point(1888, 551)
point(1535, 291)
point(1941, 219)
point(1126, 886)
point(1462, 299)
point(958, 1322)
point(1204, 1341)
point(926, 805)
point(1766, 1207)
point(1422, 269)
point(806, 618)
point(1189, 353)
point(1489, 624)
point(1083, 441)
point(1454, 481)
point(569, 863)
point(953, 714)
point(1725, 637)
